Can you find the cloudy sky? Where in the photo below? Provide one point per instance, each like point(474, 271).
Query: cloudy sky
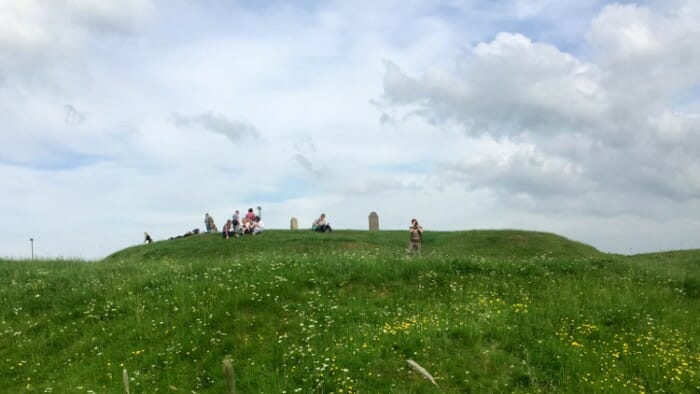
point(123, 116)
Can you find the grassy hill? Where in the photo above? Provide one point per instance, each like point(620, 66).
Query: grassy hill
point(484, 243)
point(482, 311)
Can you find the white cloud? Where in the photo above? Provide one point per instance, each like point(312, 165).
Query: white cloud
point(114, 15)
point(34, 32)
point(624, 30)
point(577, 128)
point(121, 117)
point(235, 130)
point(508, 86)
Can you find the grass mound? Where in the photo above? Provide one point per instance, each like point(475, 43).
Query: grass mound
point(481, 311)
point(483, 243)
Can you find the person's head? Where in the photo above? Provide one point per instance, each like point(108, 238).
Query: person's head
point(257, 218)
point(250, 209)
point(323, 216)
point(237, 212)
point(414, 222)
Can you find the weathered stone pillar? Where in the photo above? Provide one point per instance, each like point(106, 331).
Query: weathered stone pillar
point(373, 221)
point(294, 224)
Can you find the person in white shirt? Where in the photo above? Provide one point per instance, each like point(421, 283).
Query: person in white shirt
point(258, 226)
point(321, 225)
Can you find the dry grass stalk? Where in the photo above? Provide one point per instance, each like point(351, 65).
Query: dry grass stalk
point(416, 367)
point(228, 375)
point(125, 379)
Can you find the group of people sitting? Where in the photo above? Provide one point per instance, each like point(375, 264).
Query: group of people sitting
point(236, 226)
point(253, 225)
point(250, 224)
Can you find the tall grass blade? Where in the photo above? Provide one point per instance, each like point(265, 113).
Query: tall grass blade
point(125, 379)
point(416, 367)
point(228, 375)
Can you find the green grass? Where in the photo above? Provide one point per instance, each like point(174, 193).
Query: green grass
point(482, 311)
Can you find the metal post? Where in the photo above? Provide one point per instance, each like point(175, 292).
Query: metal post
point(31, 240)
point(260, 211)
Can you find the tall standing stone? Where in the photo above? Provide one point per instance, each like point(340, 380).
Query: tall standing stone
point(294, 224)
point(373, 221)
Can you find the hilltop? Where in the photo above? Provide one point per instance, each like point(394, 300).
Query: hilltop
point(459, 243)
point(481, 311)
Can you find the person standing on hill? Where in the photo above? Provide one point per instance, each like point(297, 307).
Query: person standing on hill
point(416, 232)
point(209, 223)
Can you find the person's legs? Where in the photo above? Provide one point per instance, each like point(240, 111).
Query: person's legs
point(413, 247)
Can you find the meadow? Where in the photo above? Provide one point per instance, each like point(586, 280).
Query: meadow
point(342, 312)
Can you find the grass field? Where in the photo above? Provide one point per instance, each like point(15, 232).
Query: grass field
point(302, 312)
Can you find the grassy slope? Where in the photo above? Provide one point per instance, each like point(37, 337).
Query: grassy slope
point(481, 310)
point(483, 242)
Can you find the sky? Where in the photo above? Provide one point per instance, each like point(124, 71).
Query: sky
point(580, 118)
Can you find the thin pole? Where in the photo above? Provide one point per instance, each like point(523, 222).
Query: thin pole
point(31, 240)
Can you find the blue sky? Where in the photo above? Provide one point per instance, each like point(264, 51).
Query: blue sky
point(575, 117)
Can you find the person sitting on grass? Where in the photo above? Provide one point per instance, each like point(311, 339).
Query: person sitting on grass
point(147, 238)
point(236, 221)
point(321, 225)
point(247, 226)
point(258, 226)
point(250, 215)
point(228, 229)
point(187, 234)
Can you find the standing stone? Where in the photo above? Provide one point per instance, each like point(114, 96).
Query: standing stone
point(373, 221)
point(294, 224)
